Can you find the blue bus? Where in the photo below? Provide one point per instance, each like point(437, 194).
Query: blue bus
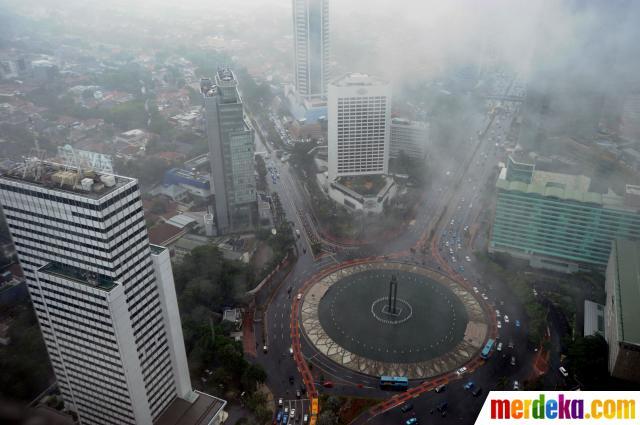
point(394, 383)
point(487, 349)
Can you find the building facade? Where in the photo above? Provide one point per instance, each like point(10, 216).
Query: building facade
point(104, 298)
point(359, 110)
point(311, 47)
point(555, 222)
point(409, 138)
point(231, 153)
point(622, 316)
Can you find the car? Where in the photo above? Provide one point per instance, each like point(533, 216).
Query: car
point(293, 413)
point(475, 289)
point(327, 384)
point(511, 344)
point(476, 392)
point(291, 351)
point(468, 259)
point(499, 347)
point(280, 402)
point(513, 360)
point(264, 349)
point(299, 296)
point(285, 418)
point(305, 418)
point(469, 385)
point(279, 416)
point(462, 370)
point(406, 407)
point(506, 319)
point(499, 325)
point(453, 259)
point(484, 297)
point(298, 394)
point(516, 385)
point(497, 313)
point(440, 388)
point(411, 421)
point(517, 323)
point(563, 371)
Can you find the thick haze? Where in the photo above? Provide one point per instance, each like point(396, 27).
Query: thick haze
point(410, 38)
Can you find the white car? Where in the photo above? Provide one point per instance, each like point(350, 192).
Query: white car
point(497, 313)
point(468, 259)
point(475, 289)
point(563, 371)
point(462, 370)
point(291, 351)
point(300, 296)
point(516, 385)
point(499, 347)
point(484, 297)
point(293, 414)
point(453, 259)
point(499, 324)
point(506, 319)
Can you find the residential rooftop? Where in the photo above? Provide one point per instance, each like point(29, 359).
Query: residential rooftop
point(63, 178)
point(627, 289)
point(78, 275)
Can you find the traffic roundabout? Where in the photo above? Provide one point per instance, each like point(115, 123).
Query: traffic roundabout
point(391, 318)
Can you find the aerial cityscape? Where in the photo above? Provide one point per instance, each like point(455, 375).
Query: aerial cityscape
point(319, 212)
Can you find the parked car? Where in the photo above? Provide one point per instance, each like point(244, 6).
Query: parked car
point(506, 319)
point(462, 370)
point(513, 360)
point(469, 385)
point(411, 421)
point(305, 418)
point(563, 371)
point(499, 347)
point(516, 385)
point(440, 388)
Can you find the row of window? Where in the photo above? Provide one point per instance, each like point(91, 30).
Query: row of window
point(63, 200)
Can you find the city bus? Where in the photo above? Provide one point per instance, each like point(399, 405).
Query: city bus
point(394, 383)
point(487, 349)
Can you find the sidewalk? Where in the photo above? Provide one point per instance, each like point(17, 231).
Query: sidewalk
point(248, 336)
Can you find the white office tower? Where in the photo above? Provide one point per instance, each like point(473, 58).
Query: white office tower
point(408, 138)
point(359, 109)
point(311, 47)
point(104, 298)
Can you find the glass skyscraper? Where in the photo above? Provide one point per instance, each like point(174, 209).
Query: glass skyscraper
point(311, 47)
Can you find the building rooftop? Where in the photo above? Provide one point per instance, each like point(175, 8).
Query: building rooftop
point(563, 186)
point(627, 289)
point(156, 249)
point(357, 79)
point(200, 412)
point(63, 178)
point(408, 123)
point(164, 234)
point(78, 275)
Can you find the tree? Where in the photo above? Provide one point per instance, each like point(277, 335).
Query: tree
point(588, 359)
point(327, 417)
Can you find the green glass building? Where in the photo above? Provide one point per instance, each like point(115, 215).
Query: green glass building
point(555, 222)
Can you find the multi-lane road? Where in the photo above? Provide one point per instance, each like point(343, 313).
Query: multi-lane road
point(452, 206)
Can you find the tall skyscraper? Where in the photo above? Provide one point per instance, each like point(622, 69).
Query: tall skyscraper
point(104, 298)
point(359, 110)
point(311, 47)
point(231, 152)
point(408, 138)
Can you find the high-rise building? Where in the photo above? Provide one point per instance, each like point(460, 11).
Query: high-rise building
point(359, 110)
point(104, 298)
point(409, 138)
point(622, 316)
point(555, 222)
point(231, 153)
point(311, 47)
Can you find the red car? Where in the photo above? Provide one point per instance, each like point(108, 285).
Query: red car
point(327, 384)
